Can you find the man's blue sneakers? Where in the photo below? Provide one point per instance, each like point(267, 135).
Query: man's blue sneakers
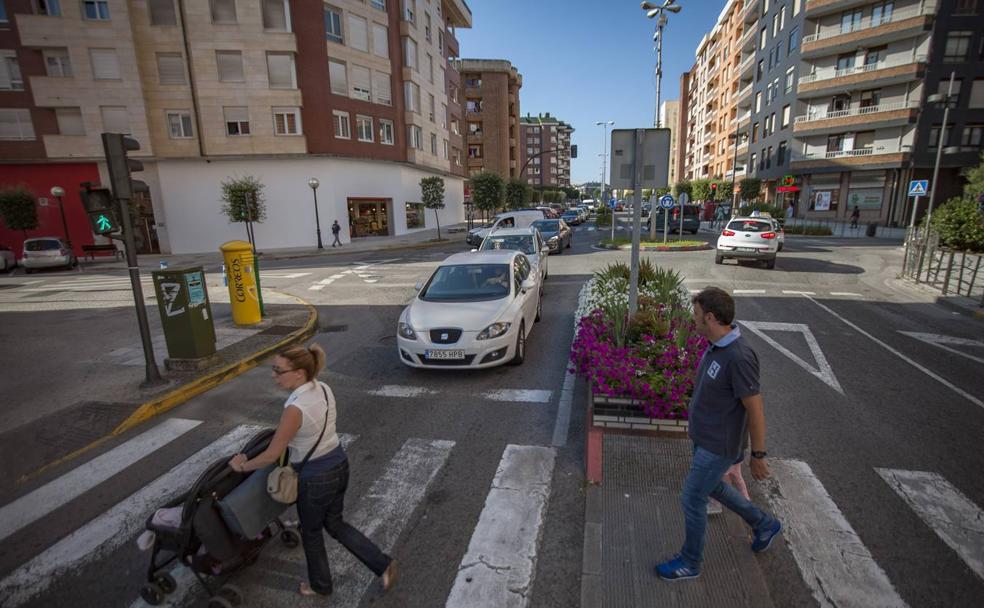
point(764, 539)
point(675, 570)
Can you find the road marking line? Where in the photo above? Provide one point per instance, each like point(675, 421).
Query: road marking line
point(499, 565)
point(747, 291)
point(835, 564)
point(291, 275)
point(924, 370)
point(945, 509)
point(395, 390)
point(563, 423)
point(113, 527)
point(799, 293)
point(823, 371)
point(335, 277)
point(35, 505)
point(317, 287)
point(942, 341)
point(847, 294)
point(522, 395)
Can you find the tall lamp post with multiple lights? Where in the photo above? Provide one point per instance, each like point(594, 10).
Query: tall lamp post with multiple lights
point(604, 166)
point(659, 12)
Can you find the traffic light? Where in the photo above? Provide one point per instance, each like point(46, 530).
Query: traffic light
point(116, 146)
point(100, 206)
point(574, 151)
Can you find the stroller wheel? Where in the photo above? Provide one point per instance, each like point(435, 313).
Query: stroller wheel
point(166, 583)
point(290, 537)
point(152, 594)
point(231, 594)
point(219, 602)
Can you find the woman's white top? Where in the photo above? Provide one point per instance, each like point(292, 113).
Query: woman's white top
point(310, 399)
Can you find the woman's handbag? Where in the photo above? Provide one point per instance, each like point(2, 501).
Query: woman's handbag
point(282, 480)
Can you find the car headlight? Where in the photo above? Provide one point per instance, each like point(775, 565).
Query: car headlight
point(406, 331)
point(493, 331)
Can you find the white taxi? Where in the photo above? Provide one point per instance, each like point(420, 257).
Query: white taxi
point(749, 238)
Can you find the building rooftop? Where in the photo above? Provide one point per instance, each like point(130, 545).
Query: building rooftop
point(488, 65)
point(543, 119)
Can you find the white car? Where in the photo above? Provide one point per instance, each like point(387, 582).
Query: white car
point(7, 258)
point(748, 238)
point(475, 311)
point(47, 252)
point(527, 240)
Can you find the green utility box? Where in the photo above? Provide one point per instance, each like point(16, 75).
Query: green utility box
point(186, 317)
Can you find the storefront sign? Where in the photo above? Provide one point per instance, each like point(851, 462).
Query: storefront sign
point(866, 198)
point(821, 200)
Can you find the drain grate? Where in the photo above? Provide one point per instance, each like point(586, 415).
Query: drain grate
point(81, 424)
point(332, 329)
point(278, 330)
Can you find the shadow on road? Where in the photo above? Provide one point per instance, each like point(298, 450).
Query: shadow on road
point(789, 263)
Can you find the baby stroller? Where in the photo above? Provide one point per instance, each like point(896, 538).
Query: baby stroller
point(204, 541)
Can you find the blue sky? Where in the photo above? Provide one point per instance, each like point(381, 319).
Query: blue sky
point(587, 60)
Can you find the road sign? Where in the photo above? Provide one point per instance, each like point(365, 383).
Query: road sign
point(683, 199)
point(918, 187)
point(611, 204)
point(666, 201)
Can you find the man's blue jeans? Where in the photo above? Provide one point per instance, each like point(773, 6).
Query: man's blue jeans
point(704, 481)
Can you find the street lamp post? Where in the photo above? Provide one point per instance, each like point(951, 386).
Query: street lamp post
point(604, 166)
point(734, 168)
point(59, 192)
point(314, 183)
point(659, 11)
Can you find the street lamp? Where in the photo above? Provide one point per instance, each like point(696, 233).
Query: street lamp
point(604, 165)
point(314, 183)
point(653, 10)
point(58, 192)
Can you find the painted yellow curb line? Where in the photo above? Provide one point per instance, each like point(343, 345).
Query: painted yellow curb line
point(183, 393)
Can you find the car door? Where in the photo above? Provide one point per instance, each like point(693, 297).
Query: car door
point(541, 257)
point(528, 300)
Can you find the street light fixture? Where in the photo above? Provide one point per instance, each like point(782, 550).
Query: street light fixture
point(59, 192)
point(653, 10)
point(604, 166)
point(314, 183)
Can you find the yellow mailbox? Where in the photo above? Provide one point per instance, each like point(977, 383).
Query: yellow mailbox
point(241, 274)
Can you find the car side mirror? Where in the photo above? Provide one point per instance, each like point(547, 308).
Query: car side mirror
point(545, 249)
point(419, 285)
point(528, 284)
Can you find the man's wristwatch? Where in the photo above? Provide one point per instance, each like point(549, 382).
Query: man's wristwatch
point(759, 455)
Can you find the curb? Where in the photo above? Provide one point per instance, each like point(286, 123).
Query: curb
point(395, 246)
point(704, 247)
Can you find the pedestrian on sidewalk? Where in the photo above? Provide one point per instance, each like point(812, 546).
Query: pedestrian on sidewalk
point(335, 230)
point(727, 404)
point(855, 216)
point(307, 427)
point(790, 211)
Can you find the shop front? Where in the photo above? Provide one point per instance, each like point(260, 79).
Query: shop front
point(370, 217)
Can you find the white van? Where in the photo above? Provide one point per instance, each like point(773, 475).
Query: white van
point(511, 219)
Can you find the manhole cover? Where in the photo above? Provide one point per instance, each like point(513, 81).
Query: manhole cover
point(278, 330)
point(82, 424)
point(333, 329)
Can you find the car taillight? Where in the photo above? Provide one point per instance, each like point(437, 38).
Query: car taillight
point(64, 252)
point(768, 235)
point(728, 233)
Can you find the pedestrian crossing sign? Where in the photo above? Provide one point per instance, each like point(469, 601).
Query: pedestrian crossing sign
point(918, 187)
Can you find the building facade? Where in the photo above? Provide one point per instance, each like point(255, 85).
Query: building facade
point(545, 151)
point(359, 94)
point(491, 100)
point(669, 118)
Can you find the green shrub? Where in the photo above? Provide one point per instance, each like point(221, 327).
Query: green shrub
point(603, 217)
point(809, 230)
point(960, 224)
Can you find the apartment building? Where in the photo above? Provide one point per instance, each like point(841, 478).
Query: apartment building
point(683, 127)
point(491, 99)
point(360, 94)
point(545, 151)
point(669, 118)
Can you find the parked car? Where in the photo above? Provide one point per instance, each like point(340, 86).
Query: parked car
point(776, 225)
point(585, 212)
point(620, 205)
point(572, 217)
point(556, 234)
point(47, 252)
point(8, 260)
point(748, 238)
point(476, 310)
point(549, 213)
point(512, 219)
point(691, 219)
point(527, 240)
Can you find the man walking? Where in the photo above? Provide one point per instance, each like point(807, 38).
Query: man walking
point(335, 230)
point(855, 216)
point(727, 404)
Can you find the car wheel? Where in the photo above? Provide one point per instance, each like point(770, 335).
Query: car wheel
point(28, 270)
point(780, 247)
point(539, 307)
point(719, 259)
point(569, 243)
point(695, 231)
point(771, 264)
point(520, 355)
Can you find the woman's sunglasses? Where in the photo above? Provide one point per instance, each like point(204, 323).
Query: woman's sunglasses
point(279, 371)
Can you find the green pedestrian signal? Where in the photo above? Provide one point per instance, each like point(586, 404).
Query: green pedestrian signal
point(103, 224)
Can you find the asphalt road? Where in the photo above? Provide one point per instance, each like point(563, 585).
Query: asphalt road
point(875, 398)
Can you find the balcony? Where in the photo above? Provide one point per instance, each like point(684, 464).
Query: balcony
point(871, 117)
point(748, 39)
point(871, 76)
point(746, 69)
point(818, 8)
point(863, 158)
point(744, 95)
point(750, 12)
point(475, 114)
point(901, 24)
point(474, 137)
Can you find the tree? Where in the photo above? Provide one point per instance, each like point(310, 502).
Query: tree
point(684, 186)
point(700, 190)
point(974, 189)
point(534, 196)
point(517, 192)
point(487, 190)
point(18, 208)
point(659, 192)
point(960, 224)
point(243, 201)
point(749, 189)
point(647, 193)
point(432, 196)
point(572, 193)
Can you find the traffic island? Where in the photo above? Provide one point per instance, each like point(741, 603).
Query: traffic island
point(625, 244)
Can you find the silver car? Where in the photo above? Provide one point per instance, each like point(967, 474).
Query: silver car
point(47, 252)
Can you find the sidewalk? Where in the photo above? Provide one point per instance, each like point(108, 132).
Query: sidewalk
point(837, 229)
point(633, 520)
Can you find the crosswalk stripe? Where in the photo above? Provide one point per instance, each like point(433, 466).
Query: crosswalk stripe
point(32, 507)
point(498, 567)
point(945, 509)
point(519, 395)
point(115, 526)
point(289, 275)
point(835, 564)
point(394, 390)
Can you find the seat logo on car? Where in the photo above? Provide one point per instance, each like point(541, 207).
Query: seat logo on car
point(444, 336)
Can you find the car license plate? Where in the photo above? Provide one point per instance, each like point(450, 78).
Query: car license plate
point(445, 354)
point(752, 249)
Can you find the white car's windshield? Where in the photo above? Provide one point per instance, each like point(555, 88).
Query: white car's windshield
point(518, 242)
point(467, 283)
point(750, 226)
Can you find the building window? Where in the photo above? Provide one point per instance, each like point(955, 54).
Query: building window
point(434, 144)
point(775, 25)
point(797, 5)
point(415, 215)
point(977, 94)
point(237, 120)
point(361, 83)
point(751, 162)
point(957, 44)
point(432, 109)
point(15, 124)
point(170, 68)
point(363, 128)
point(881, 13)
point(966, 7)
point(768, 159)
point(415, 137)
point(793, 40)
point(51, 8)
point(763, 38)
point(430, 68)
point(386, 132)
point(781, 158)
point(447, 153)
point(943, 86)
point(69, 121)
point(162, 12)
point(758, 102)
point(10, 73)
point(427, 27)
point(473, 105)
point(444, 116)
point(380, 40)
point(760, 69)
point(755, 132)
point(410, 53)
point(789, 79)
point(179, 124)
point(454, 126)
point(95, 10)
point(782, 17)
point(475, 151)
point(333, 24)
point(105, 64)
point(453, 93)
point(115, 119)
point(775, 89)
point(230, 66)
point(851, 21)
point(358, 29)
point(280, 71)
point(411, 93)
point(3, 12)
point(934, 136)
point(380, 4)
point(870, 99)
point(785, 116)
point(337, 78)
point(342, 127)
point(410, 10)
point(845, 62)
point(223, 11)
point(973, 136)
point(440, 44)
point(57, 63)
point(276, 16)
point(286, 121)
point(875, 54)
point(382, 88)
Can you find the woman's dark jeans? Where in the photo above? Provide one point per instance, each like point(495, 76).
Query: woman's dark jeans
point(320, 500)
